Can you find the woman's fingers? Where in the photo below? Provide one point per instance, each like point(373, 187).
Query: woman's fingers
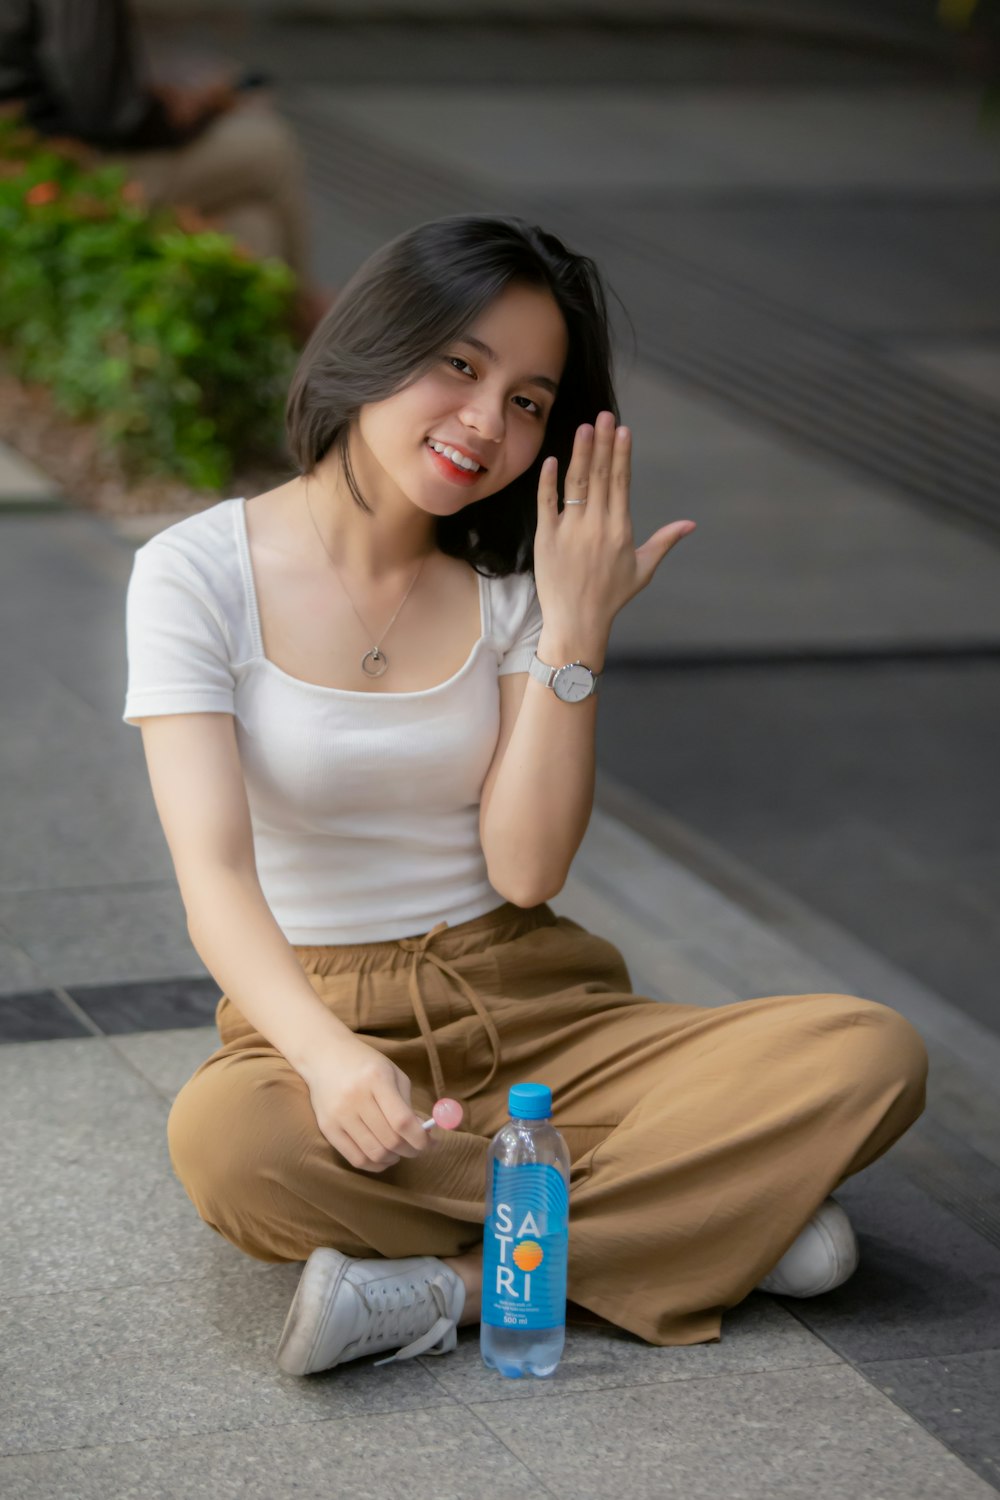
point(600, 459)
point(353, 1149)
point(599, 469)
point(576, 485)
point(369, 1143)
point(548, 490)
point(387, 1136)
point(621, 474)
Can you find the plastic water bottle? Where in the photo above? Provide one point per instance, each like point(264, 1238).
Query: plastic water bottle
point(525, 1239)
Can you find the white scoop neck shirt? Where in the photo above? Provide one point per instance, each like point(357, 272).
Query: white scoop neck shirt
point(364, 806)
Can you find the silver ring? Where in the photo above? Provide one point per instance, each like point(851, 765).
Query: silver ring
point(574, 502)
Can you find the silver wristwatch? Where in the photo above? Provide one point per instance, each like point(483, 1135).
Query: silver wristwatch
point(572, 683)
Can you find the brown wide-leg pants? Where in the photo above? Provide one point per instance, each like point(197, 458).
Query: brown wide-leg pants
point(701, 1139)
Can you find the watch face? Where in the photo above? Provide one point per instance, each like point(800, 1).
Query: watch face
point(573, 683)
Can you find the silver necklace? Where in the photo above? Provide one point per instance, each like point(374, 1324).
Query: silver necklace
point(378, 658)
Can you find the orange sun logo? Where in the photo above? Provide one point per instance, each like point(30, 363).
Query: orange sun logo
point(528, 1255)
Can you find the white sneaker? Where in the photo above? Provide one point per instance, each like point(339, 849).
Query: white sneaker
point(823, 1256)
point(345, 1308)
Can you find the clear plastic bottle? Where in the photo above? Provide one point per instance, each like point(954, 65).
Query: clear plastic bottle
point(525, 1239)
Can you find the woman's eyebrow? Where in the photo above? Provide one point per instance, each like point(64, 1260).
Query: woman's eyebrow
point(542, 380)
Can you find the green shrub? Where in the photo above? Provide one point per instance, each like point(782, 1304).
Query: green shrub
point(175, 343)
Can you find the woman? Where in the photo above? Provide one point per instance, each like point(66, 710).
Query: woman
point(372, 782)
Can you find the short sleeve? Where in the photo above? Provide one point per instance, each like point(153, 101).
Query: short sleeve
point(177, 645)
point(518, 657)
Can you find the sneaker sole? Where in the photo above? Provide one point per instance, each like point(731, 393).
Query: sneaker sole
point(310, 1311)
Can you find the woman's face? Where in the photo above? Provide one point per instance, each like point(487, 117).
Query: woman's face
point(495, 410)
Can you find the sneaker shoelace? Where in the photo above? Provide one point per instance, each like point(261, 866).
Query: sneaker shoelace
point(400, 1316)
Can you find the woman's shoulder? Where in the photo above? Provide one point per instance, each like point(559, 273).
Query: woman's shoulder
point(205, 536)
point(195, 567)
point(203, 551)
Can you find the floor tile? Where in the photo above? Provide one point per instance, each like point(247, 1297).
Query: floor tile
point(167, 1058)
point(158, 1358)
point(149, 1004)
point(956, 1397)
point(927, 1284)
point(756, 1335)
point(90, 1197)
point(17, 971)
point(37, 1016)
point(115, 934)
point(422, 1454)
point(797, 1434)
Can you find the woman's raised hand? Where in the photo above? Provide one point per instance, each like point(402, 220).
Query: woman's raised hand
point(586, 566)
point(361, 1101)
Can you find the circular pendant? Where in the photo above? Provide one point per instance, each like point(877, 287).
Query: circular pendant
point(377, 656)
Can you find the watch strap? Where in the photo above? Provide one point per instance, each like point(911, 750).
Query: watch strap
point(545, 674)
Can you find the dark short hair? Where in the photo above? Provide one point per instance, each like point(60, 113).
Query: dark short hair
point(393, 317)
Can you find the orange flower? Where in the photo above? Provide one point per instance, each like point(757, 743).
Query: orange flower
point(42, 192)
point(133, 192)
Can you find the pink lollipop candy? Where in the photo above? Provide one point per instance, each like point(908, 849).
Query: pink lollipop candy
point(447, 1113)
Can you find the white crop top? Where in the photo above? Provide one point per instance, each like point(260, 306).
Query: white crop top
point(364, 806)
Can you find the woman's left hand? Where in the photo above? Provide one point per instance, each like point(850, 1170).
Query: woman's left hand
point(586, 567)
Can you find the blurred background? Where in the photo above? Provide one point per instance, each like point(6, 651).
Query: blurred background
point(797, 206)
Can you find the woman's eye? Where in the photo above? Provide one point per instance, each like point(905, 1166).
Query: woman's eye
point(456, 359)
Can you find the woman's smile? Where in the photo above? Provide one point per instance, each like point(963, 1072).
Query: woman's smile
point(450, 471)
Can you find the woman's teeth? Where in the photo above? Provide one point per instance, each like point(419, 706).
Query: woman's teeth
point(458, 459)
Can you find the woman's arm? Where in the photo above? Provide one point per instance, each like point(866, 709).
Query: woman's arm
point(586, 568)
point(200, 796)
point(535, 809)
point(234, 933)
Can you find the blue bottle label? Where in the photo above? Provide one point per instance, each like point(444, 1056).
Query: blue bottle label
point(525, 1244)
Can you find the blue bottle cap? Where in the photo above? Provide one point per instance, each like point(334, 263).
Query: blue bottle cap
point(530, 1101)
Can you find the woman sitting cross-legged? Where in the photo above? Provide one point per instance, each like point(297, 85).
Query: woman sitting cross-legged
point(367, 702)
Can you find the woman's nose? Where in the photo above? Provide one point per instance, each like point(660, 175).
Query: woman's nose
point(485, 421)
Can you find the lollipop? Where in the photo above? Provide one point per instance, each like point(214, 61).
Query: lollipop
point(447, 1113)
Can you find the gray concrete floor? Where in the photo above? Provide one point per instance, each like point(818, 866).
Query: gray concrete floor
point(763, 825)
